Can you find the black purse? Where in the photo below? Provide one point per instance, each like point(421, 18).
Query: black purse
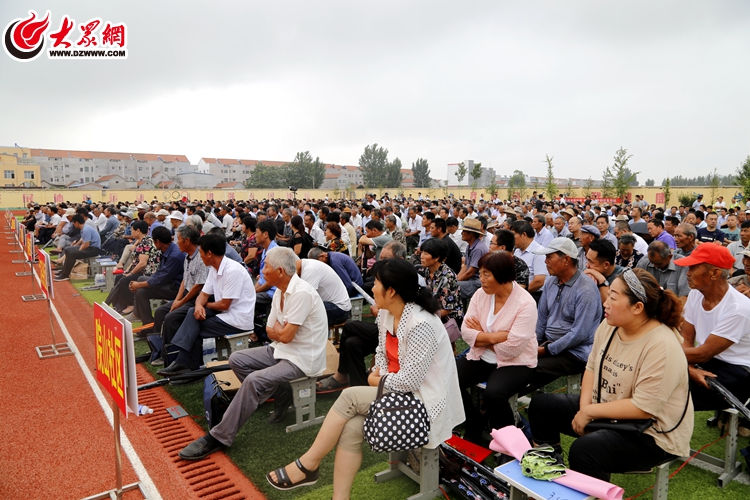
point(397, 421)
point(632, 426)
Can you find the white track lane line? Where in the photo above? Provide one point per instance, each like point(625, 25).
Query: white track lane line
point(146, 482)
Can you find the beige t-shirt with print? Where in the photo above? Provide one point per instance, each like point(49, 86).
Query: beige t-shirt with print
point(652, 371)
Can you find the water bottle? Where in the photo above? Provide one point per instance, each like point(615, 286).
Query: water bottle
point(209, 349)
point(144, 410)
point(99, 280)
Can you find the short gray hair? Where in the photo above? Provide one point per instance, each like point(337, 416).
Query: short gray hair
point(315, 252)
point(627, 239)
point(195, 220)
point(689, 230)
point(397, 248)
point(391, 218)
point(189, 233)
point(661, 248)
point(282, 258)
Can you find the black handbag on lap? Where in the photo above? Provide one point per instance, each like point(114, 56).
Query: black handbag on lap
point(635, 426)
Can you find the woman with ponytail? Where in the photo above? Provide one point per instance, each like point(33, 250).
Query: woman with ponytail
point(636, 371)
point(415, 352)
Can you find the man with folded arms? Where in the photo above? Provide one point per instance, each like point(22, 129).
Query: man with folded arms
point(716, 328)
point(298, 328)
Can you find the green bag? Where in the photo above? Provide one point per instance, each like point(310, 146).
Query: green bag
point(542, 463)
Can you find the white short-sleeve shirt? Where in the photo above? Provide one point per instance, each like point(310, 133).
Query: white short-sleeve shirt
point(535, 262)
point(728, 320)
point(232, 281)
point(326, 282)
point(302, 307)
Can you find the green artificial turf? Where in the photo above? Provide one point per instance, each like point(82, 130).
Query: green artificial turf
point(261, 447)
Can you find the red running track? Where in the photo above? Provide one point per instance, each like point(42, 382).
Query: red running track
point(55, 439)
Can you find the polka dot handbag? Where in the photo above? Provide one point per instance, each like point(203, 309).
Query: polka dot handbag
point(397, 421)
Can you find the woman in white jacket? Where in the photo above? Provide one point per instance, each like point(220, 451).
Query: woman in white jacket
point(415, 351)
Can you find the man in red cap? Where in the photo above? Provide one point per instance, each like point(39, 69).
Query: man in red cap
point(716, 328)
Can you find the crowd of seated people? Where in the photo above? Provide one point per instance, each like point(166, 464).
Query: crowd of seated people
point(538, 290)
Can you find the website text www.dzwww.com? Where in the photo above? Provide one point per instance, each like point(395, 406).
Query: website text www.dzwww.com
point(88, 54)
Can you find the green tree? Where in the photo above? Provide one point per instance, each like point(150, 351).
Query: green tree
point(743, 177)
point(393, 177)
point(607, 180)
point(475, 174)
point(265, 176)
point(492, 188)
point(461, 172)
point(715, 184)
point(421, 171)
point(667, 191)
point(588, 184)
point(374, 164)
point(305, 172)
point(686, 199)
point(650, 182)
point(569, 188)
point(550, 187)
point(622, 177)
point(517, 182)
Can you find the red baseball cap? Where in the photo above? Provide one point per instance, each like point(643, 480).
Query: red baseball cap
point(708, 253)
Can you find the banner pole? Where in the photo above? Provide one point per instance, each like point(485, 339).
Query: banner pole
point(118, 458)
point(34, 296)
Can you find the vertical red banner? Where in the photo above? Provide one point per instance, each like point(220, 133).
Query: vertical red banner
point(110, 355)
point(28, 249)
point(45, 274)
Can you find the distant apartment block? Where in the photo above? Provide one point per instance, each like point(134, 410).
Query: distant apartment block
point(19, 169)
point(67, 167)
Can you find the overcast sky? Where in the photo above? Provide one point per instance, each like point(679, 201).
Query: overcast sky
point(503, 83)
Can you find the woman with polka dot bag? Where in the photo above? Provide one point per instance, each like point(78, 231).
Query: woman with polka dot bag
point(415, 353)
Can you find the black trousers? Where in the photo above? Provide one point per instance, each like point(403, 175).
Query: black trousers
point(550, 368)
point(72, 254)
point(167, 322)
point(189, 336)
point(142, 309)
point(45, 234)
point(735, 378)
point(502, 383)
point(120, 297)
point(597, 454)
point(358, 340)
point(412, 242)
point(263, 303)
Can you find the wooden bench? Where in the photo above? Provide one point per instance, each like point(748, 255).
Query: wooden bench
point(428, 476)
point(303, 392)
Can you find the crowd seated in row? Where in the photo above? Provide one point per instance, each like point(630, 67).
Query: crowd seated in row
point(624, 280)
